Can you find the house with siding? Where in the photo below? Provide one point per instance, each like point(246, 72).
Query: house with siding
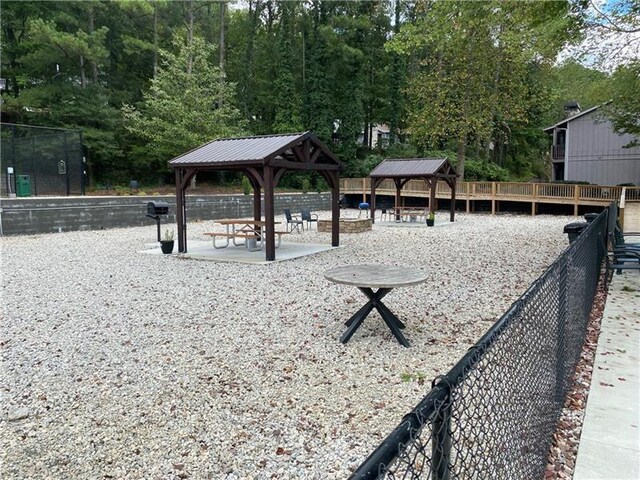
point(585, 148)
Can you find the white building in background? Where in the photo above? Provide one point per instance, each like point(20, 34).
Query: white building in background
point(380, 136)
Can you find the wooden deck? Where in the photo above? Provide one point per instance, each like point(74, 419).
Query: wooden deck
point(495, 192)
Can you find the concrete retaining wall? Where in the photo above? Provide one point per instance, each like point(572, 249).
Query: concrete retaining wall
point(35, 215)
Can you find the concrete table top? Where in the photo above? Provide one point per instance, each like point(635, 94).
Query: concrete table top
point(375, 276)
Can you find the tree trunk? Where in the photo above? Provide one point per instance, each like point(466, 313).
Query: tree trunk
point(155, 39)
point(190, 34)
point(94, 65)
point(462, 149)
point(223, 9)
point(83, 75)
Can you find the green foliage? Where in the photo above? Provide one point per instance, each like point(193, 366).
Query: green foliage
point(246, 186)
point(465, 80)
point(321, 185)
point(624, 110)
point(188, 104)
point(306, 184)
point(401, 150)
point(478, 171)
point(168, 235)
point(418, 377)
point(472, 72)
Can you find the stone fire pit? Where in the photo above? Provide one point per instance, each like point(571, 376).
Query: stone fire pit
point(347, 225)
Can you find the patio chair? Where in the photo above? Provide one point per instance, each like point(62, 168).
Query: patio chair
point(309, 217)
point(620, 258)
point(619, 240)
point(293, 222)
point(363, 207)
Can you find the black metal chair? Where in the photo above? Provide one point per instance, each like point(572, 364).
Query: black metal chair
point(293, 222)
point(619, 258)
point(309, 217)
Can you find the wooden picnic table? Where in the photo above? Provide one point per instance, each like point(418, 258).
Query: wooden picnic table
point(382, 277)
point(404, 214)
point(243, 232)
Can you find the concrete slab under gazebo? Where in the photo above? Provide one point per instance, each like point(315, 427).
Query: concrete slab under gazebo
point(431, 170)
point(263, 159)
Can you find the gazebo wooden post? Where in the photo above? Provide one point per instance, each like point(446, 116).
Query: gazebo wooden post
point(398, 182)
point(257, 202)
point(270, 245)
point(452, 215)
point(373, 201)
point(334, 182)
point(182, 246)
point(432, 193)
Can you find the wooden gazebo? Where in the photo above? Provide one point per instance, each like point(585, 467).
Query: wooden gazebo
point(263, 160)
point(402, 170)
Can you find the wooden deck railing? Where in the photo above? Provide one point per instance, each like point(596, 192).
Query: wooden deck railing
point(568, 194)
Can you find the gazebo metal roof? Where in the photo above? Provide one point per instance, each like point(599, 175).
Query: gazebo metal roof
point(419, 167)
point(263, 159)
point(258, 149)
point(402, 170)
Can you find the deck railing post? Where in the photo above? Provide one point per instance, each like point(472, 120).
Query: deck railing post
point(493, 198)
point(533, 202)
point(576, 198)
point(623, 198)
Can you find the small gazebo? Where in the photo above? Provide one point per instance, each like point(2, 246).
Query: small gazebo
point(402, 170)
point(263, 160)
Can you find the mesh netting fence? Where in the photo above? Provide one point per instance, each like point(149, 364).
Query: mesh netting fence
point(41, 161)
point(494, 414)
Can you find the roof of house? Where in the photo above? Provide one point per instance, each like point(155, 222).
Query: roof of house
point(569, 119)
point(416, 167)
point(252, 150)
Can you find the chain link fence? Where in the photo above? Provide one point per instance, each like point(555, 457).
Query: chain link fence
point(41, 161)
point(494, 414)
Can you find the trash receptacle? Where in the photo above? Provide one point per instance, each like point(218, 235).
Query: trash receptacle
point(590, 217)
point(574, 230)
point(23, 185)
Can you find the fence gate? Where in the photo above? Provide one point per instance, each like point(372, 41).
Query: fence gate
point(41, 161)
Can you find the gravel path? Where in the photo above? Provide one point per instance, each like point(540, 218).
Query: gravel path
point(117, 364)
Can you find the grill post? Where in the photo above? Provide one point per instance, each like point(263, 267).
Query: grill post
point(157, 219)
point(154, 210)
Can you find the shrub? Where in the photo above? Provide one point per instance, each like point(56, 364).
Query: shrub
point(246, 186)
point(479, 171)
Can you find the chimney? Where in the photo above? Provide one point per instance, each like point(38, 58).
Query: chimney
point(571, 108)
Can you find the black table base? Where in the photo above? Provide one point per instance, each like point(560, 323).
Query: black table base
point(375, 301)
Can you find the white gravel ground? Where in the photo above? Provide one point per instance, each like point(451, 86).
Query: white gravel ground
point(117, 364)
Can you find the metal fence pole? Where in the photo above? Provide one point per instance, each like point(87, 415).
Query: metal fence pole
point(441, 436)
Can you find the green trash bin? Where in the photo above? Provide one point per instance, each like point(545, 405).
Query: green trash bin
point(23, 185)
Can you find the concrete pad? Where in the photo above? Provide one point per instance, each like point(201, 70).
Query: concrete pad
point(602, 461)
point(413, 224)
point(610, 441)
point(203, 250)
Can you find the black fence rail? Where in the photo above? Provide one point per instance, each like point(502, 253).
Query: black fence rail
point(494, 414)
point(41, 161)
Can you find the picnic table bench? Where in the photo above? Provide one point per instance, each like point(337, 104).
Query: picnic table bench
point(250, 231)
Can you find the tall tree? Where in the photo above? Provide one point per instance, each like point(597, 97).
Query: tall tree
point(182, 110)
point(624, 110)
point(473, 63)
